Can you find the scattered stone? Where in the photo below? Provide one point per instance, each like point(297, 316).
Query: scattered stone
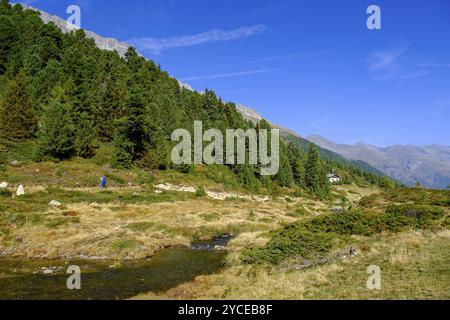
point(216, 195)
point(3, 185)
point(55, 203)
point(15, 163)
point(48, 271)
point(20, 191)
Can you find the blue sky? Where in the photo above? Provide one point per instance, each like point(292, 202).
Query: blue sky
point(309, 65)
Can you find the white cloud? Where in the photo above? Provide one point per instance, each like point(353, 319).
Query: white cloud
point(386, 59)
point(390, 64)
point(229, 75)
point(157, 45)
point(292, 56)
point(435, 65)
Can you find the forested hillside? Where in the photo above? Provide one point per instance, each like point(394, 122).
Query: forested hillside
point(69, 97)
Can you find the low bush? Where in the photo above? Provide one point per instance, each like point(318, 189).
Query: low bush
point(298, 213)
point(399, 217)
point(353, 222)
point(293, 241)
point(315, 238)
point(201, 193)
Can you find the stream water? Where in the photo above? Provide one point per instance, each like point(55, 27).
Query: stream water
point(25, 279)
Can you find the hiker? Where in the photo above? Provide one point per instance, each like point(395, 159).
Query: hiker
point(103, 182)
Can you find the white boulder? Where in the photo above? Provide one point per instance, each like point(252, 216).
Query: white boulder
point(20, 191)
point(55, 203)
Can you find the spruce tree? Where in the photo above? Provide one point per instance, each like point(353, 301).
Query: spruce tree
point(17, 117)
point(315, 175)
point(121, 157)
point(133, 135)
point(284, 176)
point(85, 142)
point(8, 37)
point(161, 146)
point(56, 133)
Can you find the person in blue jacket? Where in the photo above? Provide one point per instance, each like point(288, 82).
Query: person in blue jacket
point(103, 182)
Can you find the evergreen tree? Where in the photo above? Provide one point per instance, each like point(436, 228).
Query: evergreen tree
point(8, 37)
point(113, 95)
point(284, 176)
point(162, 149)
point(85, 141)
point(133, 136)
point(121, 157)
point(296, 160)
point(56, 133)
point(247, 177)
point(17, 117)
point(315, 174)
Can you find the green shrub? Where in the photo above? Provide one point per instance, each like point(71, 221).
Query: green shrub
point(398, 217)
point(298, 213)
point(351, 222)
point(314, 238)
point(200, 192)
point(293, 241)
point(120, 245)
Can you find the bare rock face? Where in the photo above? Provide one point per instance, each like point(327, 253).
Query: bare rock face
point(254, 116)
point(101, 42)
point(249, 113)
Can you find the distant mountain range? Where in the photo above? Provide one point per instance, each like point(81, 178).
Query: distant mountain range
point(428, 165)
point(254, 116)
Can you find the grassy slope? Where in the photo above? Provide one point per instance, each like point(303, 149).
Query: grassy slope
point(134, 222)
point(130, 221)
point(414, 266)
point(123, 221)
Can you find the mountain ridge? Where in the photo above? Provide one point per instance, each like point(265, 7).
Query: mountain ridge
point(428, 165)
